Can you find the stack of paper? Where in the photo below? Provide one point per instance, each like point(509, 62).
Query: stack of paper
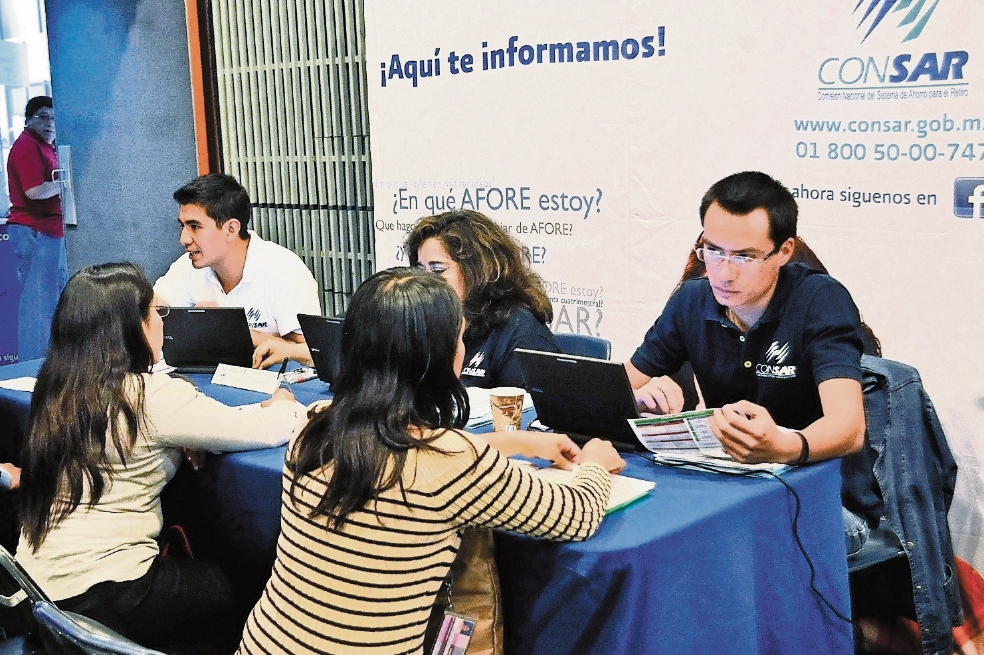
point(702, 462)
point(686, 439)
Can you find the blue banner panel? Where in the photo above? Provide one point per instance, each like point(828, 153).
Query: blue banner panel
point(10, 292)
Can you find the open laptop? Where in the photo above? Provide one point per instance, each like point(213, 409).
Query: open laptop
point(324, 337)
point(198, 339)
point(580, 396)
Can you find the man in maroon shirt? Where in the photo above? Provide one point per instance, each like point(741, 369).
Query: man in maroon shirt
point(35, 227)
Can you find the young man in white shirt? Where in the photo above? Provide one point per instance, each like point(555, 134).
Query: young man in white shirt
point(227, 265)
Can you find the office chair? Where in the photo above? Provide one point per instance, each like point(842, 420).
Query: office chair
point(583, 345)
point(62, 632)
point(882, 545)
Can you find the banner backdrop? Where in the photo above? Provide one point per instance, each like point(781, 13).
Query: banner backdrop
point(10, 293)
point(591, 130)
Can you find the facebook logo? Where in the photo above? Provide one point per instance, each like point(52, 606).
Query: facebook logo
point(968, 197)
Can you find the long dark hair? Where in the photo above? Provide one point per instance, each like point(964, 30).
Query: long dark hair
point(85, 389)
point(495, 268)
point(396, 374)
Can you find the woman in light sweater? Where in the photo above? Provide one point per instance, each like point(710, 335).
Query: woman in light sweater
point(379, 484)
point(104, 437)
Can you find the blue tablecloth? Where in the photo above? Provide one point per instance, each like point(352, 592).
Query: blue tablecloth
point(704, 564)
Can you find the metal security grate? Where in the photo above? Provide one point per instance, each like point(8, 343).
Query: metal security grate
point(294, 128)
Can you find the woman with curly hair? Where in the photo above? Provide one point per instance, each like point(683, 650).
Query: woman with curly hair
point(504, 303)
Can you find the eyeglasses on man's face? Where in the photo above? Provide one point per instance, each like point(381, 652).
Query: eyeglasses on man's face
point(43, 118)
point(713, 257)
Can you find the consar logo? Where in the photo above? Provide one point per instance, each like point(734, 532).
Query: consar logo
point(913, 14)
point(777, 353)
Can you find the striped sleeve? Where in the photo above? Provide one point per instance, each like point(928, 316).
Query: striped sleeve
point(488, 491)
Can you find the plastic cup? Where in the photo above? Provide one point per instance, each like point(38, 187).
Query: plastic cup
point(507, 408)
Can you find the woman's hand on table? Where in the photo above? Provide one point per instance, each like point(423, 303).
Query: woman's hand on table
point(279, 394)
point(602, 452)
point(558, 448)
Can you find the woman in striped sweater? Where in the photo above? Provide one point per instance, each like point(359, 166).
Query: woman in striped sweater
point(378, 485)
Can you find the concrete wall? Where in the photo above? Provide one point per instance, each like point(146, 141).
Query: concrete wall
point(122, 96)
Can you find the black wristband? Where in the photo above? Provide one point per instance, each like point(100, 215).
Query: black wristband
point(804, 450)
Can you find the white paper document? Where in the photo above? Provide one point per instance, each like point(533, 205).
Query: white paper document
point(678, 433)
point(19, 384)
point(250, 379)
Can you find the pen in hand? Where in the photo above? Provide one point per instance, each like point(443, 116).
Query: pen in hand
point(283, 369)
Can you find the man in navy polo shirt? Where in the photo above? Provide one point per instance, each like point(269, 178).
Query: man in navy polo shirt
point(775, 347)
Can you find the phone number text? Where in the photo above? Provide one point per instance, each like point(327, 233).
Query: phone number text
point(890, 151)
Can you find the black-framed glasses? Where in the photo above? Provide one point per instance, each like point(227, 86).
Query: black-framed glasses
point(162, 310)
point(713, 256)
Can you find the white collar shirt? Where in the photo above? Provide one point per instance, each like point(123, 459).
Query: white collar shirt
point(276, 286)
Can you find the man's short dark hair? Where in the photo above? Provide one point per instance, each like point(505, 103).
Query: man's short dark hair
point(742, 193)
point(220, 196)
point(36, 103)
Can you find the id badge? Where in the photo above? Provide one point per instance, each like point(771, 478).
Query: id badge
point(456, 631)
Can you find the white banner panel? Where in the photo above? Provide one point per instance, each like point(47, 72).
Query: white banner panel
point(591, 130)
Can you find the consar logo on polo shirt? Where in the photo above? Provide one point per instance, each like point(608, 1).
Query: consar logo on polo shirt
point(253, 316)
point(774, 357)
point(777, 353)
point(472, 368)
